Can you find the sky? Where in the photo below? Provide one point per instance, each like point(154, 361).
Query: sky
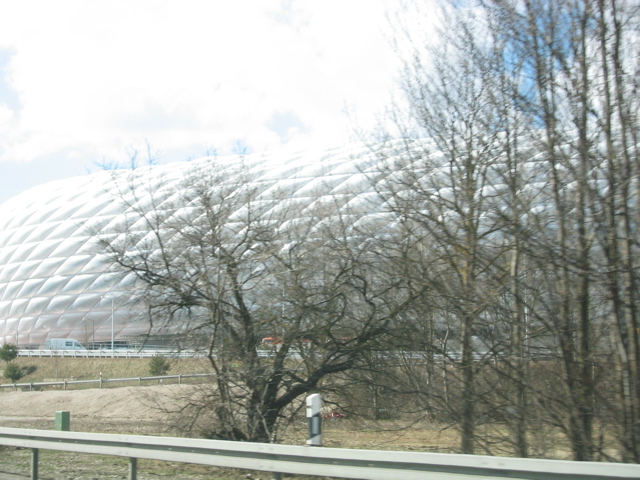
point(84, 84)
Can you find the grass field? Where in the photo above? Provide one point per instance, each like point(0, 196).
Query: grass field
point(58, 368)
point(351, 432)
point(340, 433)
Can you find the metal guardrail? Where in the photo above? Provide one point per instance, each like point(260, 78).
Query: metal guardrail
point(108, 353)
point(105, 353)
point(317, 461)
point(101, 381)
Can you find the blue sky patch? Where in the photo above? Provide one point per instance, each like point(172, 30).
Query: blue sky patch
point(8, 95)
point(282, 122)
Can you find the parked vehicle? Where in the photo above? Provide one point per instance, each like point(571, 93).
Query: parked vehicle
point(63, 344)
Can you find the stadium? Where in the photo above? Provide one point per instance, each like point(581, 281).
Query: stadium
point(56, 283)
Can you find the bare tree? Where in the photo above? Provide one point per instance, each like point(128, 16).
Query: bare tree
point(223, 265)
point(441, 190)
point(581, 55)
point(513, 87)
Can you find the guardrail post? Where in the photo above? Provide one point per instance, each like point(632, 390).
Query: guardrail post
point(314, 408)
point(133, 468)
point(34, 464)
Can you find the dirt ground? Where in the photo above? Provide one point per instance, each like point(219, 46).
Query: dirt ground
point(123, 409)
point(108, 410)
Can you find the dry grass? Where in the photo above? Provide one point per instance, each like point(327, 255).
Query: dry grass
point(88, 409)
point(57, 368)
point(339, 434)
point(124, 410)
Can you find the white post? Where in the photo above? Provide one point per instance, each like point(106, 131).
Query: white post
point(314, 409)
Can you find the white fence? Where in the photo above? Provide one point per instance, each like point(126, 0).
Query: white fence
point(317, 461)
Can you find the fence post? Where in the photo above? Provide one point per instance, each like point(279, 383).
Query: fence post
point(133, 468)
point(314, 408)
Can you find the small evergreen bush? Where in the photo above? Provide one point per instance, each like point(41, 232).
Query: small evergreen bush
point(8, 352)
point(13, 372)
point(159, 366)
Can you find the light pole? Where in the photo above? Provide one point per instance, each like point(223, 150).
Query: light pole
point(112, 318)
point(112, 321)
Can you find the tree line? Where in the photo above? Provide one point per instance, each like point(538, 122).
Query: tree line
point(522, 209)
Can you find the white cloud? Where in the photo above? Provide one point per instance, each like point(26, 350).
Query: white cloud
point(96, 77)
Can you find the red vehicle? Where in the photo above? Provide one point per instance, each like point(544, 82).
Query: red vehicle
point(334, 414)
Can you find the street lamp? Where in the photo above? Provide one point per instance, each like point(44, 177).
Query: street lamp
point(112, 320)
point(93, 331)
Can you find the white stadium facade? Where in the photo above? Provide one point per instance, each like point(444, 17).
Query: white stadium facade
point(56, 283)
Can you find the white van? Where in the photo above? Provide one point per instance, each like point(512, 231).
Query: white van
point(63, 344)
